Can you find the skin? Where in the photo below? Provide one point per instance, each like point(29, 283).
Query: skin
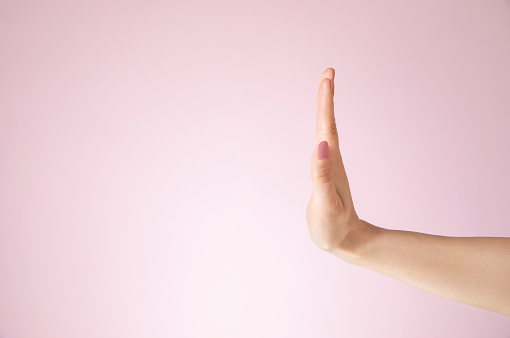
point(470, 270)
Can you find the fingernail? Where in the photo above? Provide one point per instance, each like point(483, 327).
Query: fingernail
point(323, 150)
point(332, 79)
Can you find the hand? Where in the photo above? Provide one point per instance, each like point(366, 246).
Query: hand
point(332, 221)
point(470, 270)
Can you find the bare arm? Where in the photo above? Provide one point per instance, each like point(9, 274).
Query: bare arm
point(469, 270)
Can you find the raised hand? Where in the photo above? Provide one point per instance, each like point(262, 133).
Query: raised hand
point(470, 270)
point(332, 221)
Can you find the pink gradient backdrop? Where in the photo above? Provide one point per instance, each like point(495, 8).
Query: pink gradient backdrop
point(155, 159)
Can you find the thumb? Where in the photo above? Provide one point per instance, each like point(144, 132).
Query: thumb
point(322, 175)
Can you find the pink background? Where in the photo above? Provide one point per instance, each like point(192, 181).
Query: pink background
point(155, 162)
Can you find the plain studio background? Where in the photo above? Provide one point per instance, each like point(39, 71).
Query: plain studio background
point(155, 162)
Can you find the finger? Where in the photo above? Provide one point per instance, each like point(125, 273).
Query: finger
point(326, 129)
point(325, 118)
point(324, 189)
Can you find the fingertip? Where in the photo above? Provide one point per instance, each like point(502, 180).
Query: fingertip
point(328, 73)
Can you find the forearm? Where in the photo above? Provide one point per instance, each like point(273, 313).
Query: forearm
point(470, 270)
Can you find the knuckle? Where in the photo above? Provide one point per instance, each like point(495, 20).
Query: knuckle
point(332, 129)
point(322, 175)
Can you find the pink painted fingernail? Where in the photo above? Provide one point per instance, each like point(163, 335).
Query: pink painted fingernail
point(323, 150)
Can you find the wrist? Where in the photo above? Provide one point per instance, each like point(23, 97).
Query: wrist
point(359, 244)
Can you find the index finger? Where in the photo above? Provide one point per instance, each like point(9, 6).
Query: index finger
point(325, 123)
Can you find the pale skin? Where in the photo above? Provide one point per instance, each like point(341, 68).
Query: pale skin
point(470, 270)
